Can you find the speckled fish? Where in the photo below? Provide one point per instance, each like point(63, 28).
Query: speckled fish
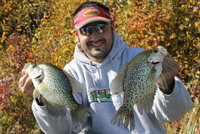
point(138, 81)
point(56, 87)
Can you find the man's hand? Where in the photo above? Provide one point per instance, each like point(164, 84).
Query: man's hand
point(26, 84)
point(27, 87)
point(170, 70)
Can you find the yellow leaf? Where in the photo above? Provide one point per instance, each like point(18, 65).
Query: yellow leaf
point(181, 27)
point(195, 58)
point(187, 72)
point(198, 72)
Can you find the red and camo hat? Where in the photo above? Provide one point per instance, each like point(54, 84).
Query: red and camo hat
point(89, 15)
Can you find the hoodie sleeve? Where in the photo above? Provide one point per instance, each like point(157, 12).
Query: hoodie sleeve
point(54, 125)
point(172, 107)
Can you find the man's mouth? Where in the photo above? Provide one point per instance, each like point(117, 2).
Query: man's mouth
point(96, 45)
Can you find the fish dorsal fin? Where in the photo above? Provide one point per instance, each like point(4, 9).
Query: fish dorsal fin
point(117, 84)
point(76, 85)
point(162, 81)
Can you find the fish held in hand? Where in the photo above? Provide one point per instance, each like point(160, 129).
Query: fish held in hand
point(138, 81)
point(56, 87)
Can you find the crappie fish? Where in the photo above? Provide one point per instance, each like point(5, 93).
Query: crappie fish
point(56, 87)
point(138, 80)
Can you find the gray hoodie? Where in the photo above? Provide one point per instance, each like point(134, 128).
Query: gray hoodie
point(95, 79)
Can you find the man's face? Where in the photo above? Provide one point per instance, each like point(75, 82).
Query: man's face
point(96, 46)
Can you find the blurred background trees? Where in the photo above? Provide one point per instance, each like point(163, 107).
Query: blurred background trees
point(41, 31)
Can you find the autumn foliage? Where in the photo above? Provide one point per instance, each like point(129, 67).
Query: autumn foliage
point(41, 31)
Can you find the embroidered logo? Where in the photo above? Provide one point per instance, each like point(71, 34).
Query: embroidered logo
point(105, 95)
point(91, 12)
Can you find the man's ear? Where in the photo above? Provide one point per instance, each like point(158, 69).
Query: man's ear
point(113, 28)
point(76, 34)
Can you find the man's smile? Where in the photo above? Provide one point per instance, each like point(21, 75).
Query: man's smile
point(97, 44)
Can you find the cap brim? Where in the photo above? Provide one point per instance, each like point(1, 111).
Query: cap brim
point(87, 21)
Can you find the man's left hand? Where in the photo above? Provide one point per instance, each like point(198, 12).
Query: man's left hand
point(170, 70)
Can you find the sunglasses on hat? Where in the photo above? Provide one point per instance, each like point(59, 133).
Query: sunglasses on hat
point(100, 28)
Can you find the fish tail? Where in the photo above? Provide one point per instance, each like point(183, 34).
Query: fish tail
point(124, 115)
point(79, 114)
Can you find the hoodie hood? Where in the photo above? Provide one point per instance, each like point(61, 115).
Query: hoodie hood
point(117, 48)
point(116, 51)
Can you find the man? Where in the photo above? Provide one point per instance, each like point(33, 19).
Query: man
point(99, 56)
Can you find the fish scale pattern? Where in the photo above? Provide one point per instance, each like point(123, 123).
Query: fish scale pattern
point(139, 78)
point(56, 87)
point(62, 83)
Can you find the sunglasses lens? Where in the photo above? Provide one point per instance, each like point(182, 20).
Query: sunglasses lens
point(86, 30)
point(100, 28)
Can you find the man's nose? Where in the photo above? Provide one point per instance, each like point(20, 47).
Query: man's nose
point(94, 36)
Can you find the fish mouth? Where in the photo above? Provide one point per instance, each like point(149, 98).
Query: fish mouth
point(154, 63)
point(38, 77)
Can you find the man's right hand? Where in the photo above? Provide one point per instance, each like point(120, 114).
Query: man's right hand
point(26, 84)
point(27, 87)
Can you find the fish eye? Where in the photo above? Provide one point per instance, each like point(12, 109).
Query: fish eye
point(34, 65)
point(155, 51)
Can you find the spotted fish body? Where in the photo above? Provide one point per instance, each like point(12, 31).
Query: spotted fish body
point(56, 87)
point(138, 82)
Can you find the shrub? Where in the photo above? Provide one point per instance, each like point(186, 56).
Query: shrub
point(41, 31)
point(15, 108)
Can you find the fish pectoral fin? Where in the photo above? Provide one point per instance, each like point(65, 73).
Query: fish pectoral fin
point(55, 109)
point(152, 74)
point(117, 84)
point(36, 94)
point(79, 113)
point(43, 87)
point(162, 81)
point(77, 88)
point(147, 103)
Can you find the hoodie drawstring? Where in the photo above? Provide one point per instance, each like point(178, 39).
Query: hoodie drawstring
point(98, 96)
